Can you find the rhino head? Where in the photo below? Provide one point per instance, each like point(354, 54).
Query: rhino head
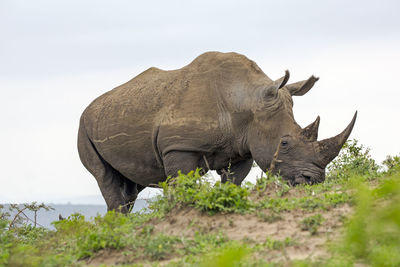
point(291, 151)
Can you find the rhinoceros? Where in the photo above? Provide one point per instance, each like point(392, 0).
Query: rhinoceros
point(221, 111)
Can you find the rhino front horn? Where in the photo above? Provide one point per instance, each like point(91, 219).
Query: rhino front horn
point(329, 148)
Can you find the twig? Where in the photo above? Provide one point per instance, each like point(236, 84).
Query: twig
point(208, 166)
point(275, 158)
point(21, 212)
point(11, 225)
point(206, 161)
point(154, 186)
point(129, 204)
point(29, 219)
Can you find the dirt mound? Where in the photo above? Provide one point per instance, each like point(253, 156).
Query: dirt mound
point(259, 227)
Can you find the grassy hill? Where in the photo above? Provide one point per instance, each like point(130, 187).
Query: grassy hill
point(352, 219)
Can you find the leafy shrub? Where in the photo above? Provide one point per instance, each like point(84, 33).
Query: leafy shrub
point(392, 164)
point(280, 186)
point(16, 214)
point(353, 159)
point(74, 224)
point(17, 237)
point(108, 231)
point(6, 241)
point(373, 233)
point(196, 191)
point(223, 197)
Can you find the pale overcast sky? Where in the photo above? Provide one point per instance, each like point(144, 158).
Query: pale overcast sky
point(57, 56)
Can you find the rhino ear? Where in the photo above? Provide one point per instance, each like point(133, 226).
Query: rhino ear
point(302, 87)
point(281, 82)
point(276, 85)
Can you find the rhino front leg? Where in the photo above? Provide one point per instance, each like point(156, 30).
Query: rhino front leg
point(182, 161)
point(237, 171)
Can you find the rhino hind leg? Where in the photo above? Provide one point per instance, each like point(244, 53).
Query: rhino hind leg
point(119, 192)
point(129, 191)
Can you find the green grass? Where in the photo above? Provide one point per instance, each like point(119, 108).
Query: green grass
point(312, 223)
point(324, 201)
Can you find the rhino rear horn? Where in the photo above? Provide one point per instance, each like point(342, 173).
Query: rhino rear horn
point(311, 131)
point(328, 149)
point(302, 87)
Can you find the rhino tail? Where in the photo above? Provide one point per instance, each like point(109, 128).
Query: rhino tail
point(154, 141)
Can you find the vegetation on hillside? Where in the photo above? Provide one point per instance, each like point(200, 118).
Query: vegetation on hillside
point(351, 218)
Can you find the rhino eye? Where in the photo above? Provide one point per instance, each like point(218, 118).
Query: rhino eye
point(284, 143)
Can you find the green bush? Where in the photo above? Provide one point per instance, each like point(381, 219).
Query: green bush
point(223, 197)
point(353, 159)
point(373, 233)
point(392, 164)
point(280, 186)
point(196, 191)
point(6, 241)
point(18, 238)
point(108, 231)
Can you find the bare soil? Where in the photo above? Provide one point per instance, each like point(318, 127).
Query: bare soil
point(253, 228)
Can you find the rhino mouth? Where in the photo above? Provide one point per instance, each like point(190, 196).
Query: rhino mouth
point(306, 178)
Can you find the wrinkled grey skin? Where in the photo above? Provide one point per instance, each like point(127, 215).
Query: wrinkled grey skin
point(220, 110)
